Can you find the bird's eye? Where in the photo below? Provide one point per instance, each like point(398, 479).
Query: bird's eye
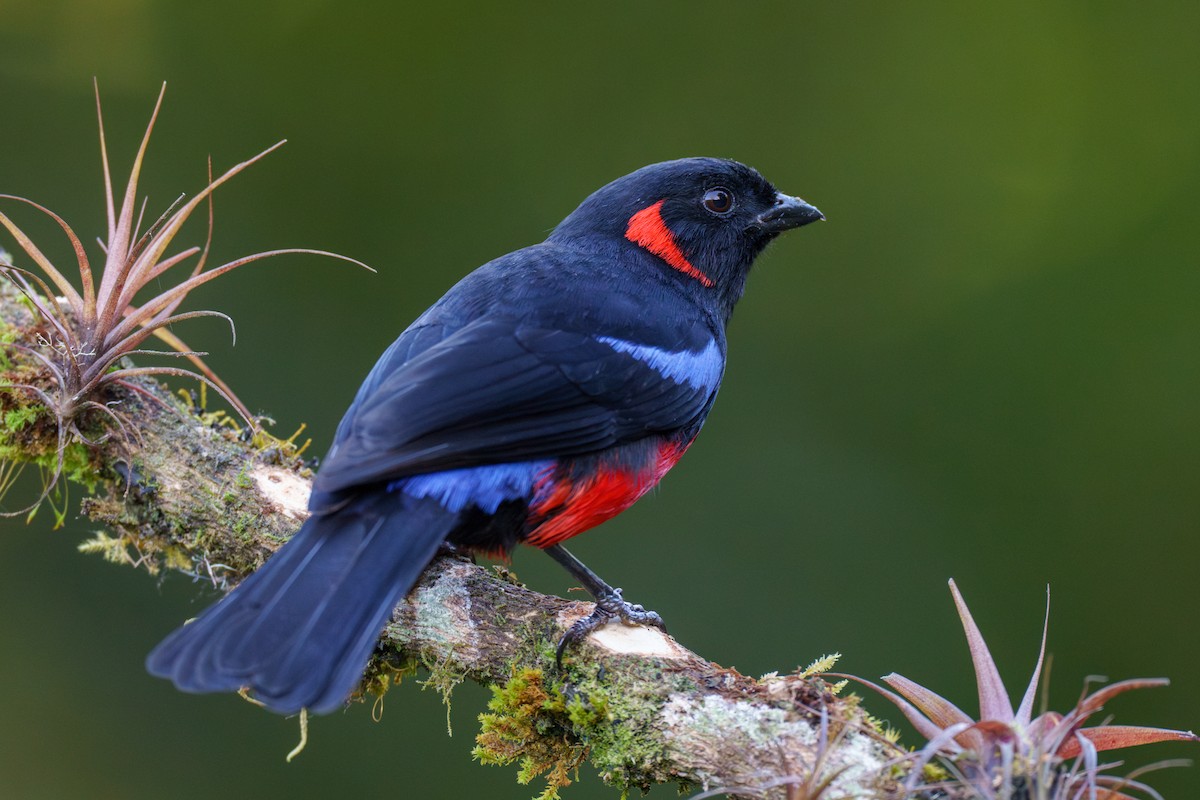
point(718, 200)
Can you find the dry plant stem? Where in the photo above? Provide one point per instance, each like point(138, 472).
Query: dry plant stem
point(200, 500)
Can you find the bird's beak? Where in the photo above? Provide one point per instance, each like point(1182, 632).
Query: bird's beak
point(787, 213)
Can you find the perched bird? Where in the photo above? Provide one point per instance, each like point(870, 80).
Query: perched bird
point(542, 395)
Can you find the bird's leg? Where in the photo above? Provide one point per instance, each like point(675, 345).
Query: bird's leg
point(609, 603)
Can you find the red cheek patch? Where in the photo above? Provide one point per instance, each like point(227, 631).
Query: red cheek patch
point(648, 231)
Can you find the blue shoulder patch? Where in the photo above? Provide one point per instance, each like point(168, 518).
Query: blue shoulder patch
point(486, 487)
point(700, 370)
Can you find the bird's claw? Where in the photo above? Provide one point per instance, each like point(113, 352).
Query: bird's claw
point(608, 607)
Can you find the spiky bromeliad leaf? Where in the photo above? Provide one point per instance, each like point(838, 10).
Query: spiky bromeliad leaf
point(91, 329)
point(1001, 740)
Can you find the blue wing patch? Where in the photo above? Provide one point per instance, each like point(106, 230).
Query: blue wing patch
point(700, 370)
point(486, 487)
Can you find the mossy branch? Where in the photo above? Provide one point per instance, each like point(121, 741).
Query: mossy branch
point(184, 490)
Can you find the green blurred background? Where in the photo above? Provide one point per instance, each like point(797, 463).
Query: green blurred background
point(984, 366)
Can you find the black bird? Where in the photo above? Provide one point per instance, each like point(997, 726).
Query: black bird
point(543, 394)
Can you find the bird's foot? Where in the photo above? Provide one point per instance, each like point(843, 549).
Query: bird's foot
point(609, 606)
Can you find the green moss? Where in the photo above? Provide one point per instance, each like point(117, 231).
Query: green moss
point(383, 672)
point(551, 725)
point(19, 418)
point(78, 466)
point(8, 335)
point(30, 435)
point(588, 711)
point(610, 713)
point(528, 722)
point(934, 773)
point(242, 526)
point(114, 549)
point(443, 679)
point(243, 479)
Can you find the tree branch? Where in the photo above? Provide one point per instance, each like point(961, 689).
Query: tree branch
point(185, 489)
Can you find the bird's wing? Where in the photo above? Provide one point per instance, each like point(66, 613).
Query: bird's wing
point(502, 390)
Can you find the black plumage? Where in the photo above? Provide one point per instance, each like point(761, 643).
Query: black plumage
point(542, 394)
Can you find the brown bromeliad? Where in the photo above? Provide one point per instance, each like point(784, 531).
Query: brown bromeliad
point(1007, 753)
point(86, 331)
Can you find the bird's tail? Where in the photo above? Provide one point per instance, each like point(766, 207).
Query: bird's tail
point(299, 631)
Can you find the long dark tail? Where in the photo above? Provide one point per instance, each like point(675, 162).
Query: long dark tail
point(299, 631)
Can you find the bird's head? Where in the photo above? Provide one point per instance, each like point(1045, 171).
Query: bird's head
point(705, 219)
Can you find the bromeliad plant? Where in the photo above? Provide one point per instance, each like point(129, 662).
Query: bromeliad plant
point(86, 332)
point(1010, 754)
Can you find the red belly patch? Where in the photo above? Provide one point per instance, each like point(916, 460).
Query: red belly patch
point(567, 508)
